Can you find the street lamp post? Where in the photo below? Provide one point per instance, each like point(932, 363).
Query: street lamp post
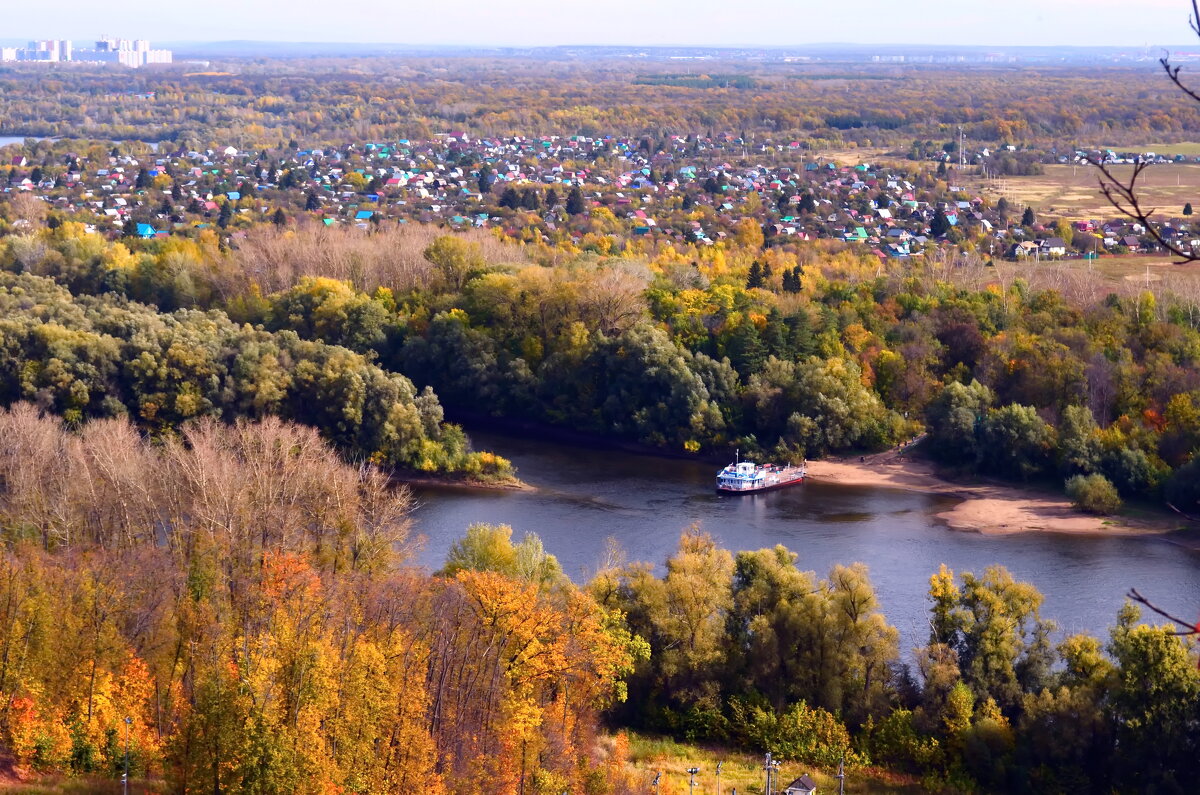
point(692, 771)
point(657, 778)
point(719, 766)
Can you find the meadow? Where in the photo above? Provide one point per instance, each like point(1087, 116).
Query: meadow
point(1073, 191)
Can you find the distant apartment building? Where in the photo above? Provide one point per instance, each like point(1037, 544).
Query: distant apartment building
point(133, 53)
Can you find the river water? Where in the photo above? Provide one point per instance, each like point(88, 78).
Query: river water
point(583, 497)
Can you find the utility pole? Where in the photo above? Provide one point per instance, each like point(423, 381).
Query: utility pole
point(772, 767)
point(841, 776)
point(657, 778)
point(719, 766)
point(125, 778)
point(692, 771)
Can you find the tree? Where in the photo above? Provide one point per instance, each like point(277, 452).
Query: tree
point(280, 217)
point(225, 215)
point(1018, 441)
point(510, 198)
point(575, 202)
point(755, 277)
point(489, 548)
point(1187, 209)
point(955, 421)
point(530, 200)
point(312, 202)
point(1028, 218)
point(455, 259)
point(1094, 494)
point(940, 224)
point(1155, 706)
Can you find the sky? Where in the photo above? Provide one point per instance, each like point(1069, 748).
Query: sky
point(1122, 23)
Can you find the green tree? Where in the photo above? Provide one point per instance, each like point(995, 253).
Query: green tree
point(1019, 443)
point(1155, 705)
point(955, 420)
point(1094, 494)
point(575, 202)
point(455, 259)
point(488, 547)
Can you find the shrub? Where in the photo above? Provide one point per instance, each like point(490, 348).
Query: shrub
point(1094, 494)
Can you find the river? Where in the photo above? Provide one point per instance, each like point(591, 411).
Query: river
point(583, 497)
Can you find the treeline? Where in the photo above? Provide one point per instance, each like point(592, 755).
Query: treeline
point(239, 597)
point(786, 351)
point(91, 357)
point(327, 102)
point(751, 650)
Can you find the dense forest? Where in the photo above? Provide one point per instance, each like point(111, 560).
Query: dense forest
point(253, 104)
point(206, 555)
point(790, 352)
point(235, 605)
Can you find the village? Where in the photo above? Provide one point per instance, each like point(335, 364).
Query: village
point(593, 192)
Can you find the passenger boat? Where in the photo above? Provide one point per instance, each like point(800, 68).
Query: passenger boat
point(746, 477)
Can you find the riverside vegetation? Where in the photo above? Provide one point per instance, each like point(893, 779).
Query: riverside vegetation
point(200, 533)
point(787, 350)
point(242, 596)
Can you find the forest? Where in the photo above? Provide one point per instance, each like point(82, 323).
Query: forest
point(216, 376)
point(790, 352)
point(255, 103)
point(234, 606)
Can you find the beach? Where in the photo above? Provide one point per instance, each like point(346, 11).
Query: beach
point(985, 507)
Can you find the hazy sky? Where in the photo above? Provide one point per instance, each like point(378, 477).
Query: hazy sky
point(637, 22)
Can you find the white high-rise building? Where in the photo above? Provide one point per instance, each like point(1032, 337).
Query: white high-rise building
point(126, 52)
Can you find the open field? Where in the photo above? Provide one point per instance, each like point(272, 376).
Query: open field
point(1073, 192)
point(1186, 148)
point(853, 157)
point(741, 771)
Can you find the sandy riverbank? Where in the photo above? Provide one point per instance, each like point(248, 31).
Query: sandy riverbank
point(985, 507)
point(459, 482)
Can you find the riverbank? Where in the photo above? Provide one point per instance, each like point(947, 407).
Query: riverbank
point(984, 507)
point(450, 481)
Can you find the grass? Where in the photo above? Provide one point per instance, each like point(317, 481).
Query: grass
point(1072, 192)
point(1186, 148)
point(741, 771)
point(81, 786)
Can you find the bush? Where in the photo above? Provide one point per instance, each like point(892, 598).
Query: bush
point(1183, 490)
point(1094, 494)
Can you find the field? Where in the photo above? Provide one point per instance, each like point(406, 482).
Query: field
point(741, 772)
point(1072, 192)
point(1186, 148)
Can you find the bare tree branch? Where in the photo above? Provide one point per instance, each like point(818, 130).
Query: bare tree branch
point(1123, 196)
point(1190, 629)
